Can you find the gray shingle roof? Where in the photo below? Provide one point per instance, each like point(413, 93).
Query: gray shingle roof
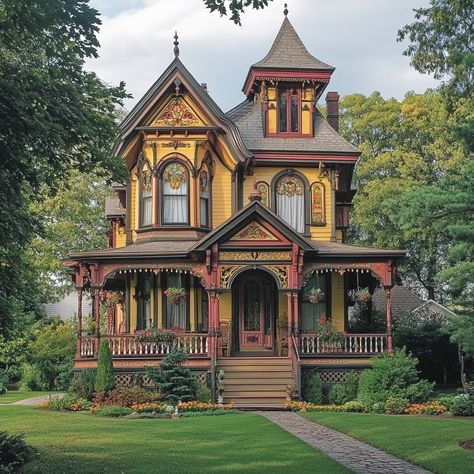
point(403, 299)
point(113, 207)
point(248, 117)
point(288, 51)
point(336, 249)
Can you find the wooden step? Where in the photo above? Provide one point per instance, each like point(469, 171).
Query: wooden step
point(241, 381)
point(257, 401)
point(255, 361)
point(252, 368)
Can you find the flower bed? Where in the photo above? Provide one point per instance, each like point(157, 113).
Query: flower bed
point(393, 407)
point(202, 406)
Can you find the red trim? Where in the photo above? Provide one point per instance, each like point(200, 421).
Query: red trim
point(282, 74)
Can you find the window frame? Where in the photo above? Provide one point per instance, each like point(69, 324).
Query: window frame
point(186, 283)
point(306, 194)
point(327, 276)
point(163, 195)
point(208, 224)
point(145, 167)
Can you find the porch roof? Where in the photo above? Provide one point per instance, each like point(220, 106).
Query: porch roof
point(333, 249)
point(157, 248)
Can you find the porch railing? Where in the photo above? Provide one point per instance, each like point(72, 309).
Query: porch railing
point(130, 346)
point(367, 344)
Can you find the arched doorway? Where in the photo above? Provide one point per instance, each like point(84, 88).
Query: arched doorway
point(255, 310)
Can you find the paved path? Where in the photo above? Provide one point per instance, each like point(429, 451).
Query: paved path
point(357, 456)
point(35, 401)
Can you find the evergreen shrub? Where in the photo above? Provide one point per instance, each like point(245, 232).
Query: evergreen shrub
point(104, 379)
point(83, 385)
point(462, 405)
point(203, 393)
point(175, 381)
point(313, 389)
point(14, 452)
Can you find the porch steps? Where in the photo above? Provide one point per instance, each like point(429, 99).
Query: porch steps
point(256, 381)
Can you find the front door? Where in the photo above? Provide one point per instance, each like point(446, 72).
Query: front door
point(256, 314)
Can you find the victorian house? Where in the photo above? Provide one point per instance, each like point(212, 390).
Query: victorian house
point(230, 232)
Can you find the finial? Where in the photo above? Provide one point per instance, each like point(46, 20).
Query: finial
point(285, 11)
point(176, 43)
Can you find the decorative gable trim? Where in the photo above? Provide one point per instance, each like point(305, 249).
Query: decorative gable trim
point(177, 113)
point(254, 231)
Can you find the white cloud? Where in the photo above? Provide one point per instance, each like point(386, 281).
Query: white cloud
point(357, 37)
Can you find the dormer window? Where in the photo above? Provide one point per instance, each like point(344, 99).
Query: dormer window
point(175, 194)
point(288, 110)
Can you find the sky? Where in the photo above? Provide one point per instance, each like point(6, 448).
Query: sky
point(358, 37)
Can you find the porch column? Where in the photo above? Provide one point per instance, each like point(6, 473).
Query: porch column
point(388, 294)
point(213, 315)
point(95, 293)
point(289, 342)
point(296, 319)
point(79, 321)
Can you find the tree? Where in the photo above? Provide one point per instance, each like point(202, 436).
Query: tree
point(404, 145)
point(235, 7)
point(54, 117)
point(442, 43)
point(174, 380)
point(104, 378)
point(73, 221)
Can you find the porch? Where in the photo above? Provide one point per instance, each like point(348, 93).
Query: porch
point(197, 345)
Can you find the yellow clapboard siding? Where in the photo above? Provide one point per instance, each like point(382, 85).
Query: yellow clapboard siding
point(321, 233)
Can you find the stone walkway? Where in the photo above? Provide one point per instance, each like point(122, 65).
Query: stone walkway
point(357, 456)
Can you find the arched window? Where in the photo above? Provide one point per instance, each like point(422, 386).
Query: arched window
point(289, 200)
point(146, 195)
point(204, 198)
point(318, 204)
point(175, 194)
point(262, 186)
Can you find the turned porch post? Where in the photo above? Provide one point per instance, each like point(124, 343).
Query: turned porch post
point(289, 341)
point(388, 294)
point(213, 305)
point(79, 321)
point(95, 293)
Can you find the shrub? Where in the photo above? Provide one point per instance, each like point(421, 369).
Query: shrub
point(62, 403)
point(378, 407)
point(313, 390)
point(31, 378)
point(341, 393)
point(14, 452)
point(396, 405)
point(392, 376)
point(203, 393)
point(127, 396)
point(113, 410)
point(462, 405)
point(174, 380)
point(354, 407)
point(4, 379)
point(104, 379)
point(83, 385)
point(446, 399)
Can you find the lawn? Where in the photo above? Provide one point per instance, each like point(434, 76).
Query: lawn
point(428, 441)
point(15, 396)
point(72, 442)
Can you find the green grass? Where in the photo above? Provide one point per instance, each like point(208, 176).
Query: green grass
point(427, 441)
point(72, 442)
point(15, 396)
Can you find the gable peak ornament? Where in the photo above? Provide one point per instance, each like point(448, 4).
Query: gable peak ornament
point(285, 11)
point(176, 43)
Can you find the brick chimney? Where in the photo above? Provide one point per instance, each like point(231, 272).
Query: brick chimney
point(332, 108)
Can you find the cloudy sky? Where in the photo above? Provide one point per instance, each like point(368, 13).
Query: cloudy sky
point(358, 37)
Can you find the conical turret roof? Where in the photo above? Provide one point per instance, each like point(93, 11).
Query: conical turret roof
point(289, 52)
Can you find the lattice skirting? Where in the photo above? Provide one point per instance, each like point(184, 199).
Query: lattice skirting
point(134, 378)
point(329, 376)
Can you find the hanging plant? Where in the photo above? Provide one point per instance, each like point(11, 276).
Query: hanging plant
point(155, 335)
point(315, 295)
point(175, 295)
point(363, 296)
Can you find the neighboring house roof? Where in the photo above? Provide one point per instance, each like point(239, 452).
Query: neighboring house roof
point(345, 250)
point(403, 299)
point(114, 208)
point(289, 52)
point(434, 307)
point(248, 116)
point(67, 307)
